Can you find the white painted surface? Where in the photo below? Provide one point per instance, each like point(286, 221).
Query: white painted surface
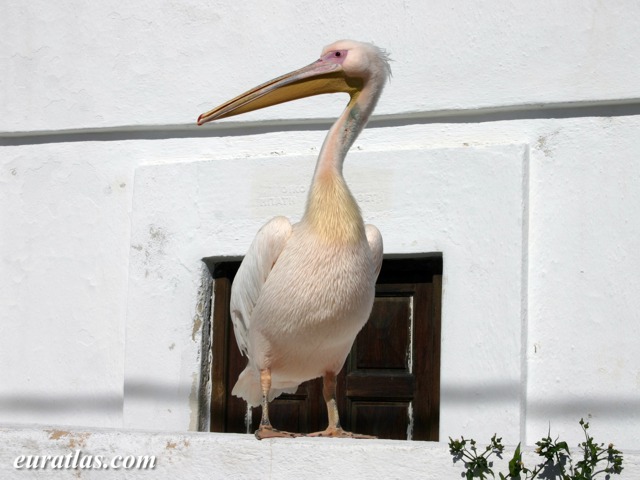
point(76, 224)
point(69, 65)
point(472, 212)
point(218, 456)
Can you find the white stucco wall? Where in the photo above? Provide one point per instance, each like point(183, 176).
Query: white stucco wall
point(110, 197)
point(216, 456)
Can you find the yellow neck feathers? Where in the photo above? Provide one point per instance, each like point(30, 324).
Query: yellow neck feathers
point(332, 211)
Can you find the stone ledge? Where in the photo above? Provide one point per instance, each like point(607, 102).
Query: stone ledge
point(209, 456)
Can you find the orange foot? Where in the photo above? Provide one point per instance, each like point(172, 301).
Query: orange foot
point(270, 432)
point(339, 433)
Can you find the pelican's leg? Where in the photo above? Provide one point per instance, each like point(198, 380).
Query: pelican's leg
point(266, 430)
point(334, 429)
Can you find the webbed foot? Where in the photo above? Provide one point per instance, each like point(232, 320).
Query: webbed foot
point(270, 432)
point(334, 432)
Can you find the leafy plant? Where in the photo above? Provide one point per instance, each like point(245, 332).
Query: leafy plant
point(557, 460)
point(477, 464)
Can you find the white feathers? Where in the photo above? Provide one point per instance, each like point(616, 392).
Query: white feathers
point(303, 292)
point(253, 272)
point(374, 238)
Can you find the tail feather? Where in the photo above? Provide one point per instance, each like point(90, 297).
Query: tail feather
point(248, 388)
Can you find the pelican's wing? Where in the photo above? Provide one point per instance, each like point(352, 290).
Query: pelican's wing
point(375, 244)
point(253, 272)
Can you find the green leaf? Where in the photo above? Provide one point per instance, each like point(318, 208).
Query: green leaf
point(563, 446)
point(515, 464)
point(556, 454)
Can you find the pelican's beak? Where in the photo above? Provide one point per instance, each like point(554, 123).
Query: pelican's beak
point(314, 79)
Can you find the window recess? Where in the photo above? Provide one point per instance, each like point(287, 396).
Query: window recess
point(390, 385)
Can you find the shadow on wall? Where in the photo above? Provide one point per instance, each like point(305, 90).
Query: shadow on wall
point(604, 407)
point(56, 404)
point(524, 112)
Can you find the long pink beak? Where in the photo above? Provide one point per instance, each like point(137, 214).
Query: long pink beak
point(314, 79)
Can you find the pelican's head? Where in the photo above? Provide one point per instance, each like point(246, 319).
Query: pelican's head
point(358, 60)
point(344, 66)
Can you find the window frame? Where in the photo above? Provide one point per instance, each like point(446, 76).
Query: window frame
point(419, 277)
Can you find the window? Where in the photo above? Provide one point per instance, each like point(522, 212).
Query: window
point(390, 385)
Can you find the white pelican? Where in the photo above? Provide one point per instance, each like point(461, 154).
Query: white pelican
point(304, 291)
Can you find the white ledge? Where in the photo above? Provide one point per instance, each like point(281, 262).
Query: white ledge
point(213, 455)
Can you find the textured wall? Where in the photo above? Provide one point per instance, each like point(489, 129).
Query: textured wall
point(218, 456)
point(96, 96)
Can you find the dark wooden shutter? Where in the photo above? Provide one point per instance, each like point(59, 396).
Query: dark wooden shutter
point(390, 386)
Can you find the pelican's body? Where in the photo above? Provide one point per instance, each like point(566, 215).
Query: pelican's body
point(310, 308)
point(304, 291)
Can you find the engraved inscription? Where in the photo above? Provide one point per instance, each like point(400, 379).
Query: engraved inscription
point(283, 189)
point(370, 198)
point(284, 195)
point(288, 189)
point(275, 201)
point(279, 199)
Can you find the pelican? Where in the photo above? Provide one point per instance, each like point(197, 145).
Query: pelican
point(304, 291)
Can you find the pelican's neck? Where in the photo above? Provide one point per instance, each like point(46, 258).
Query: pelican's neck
point(347, 128)
point(331, 209)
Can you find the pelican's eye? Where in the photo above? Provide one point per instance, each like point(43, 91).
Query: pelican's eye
point(335, 56)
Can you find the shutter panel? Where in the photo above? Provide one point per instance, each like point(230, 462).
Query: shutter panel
point(390, 386)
